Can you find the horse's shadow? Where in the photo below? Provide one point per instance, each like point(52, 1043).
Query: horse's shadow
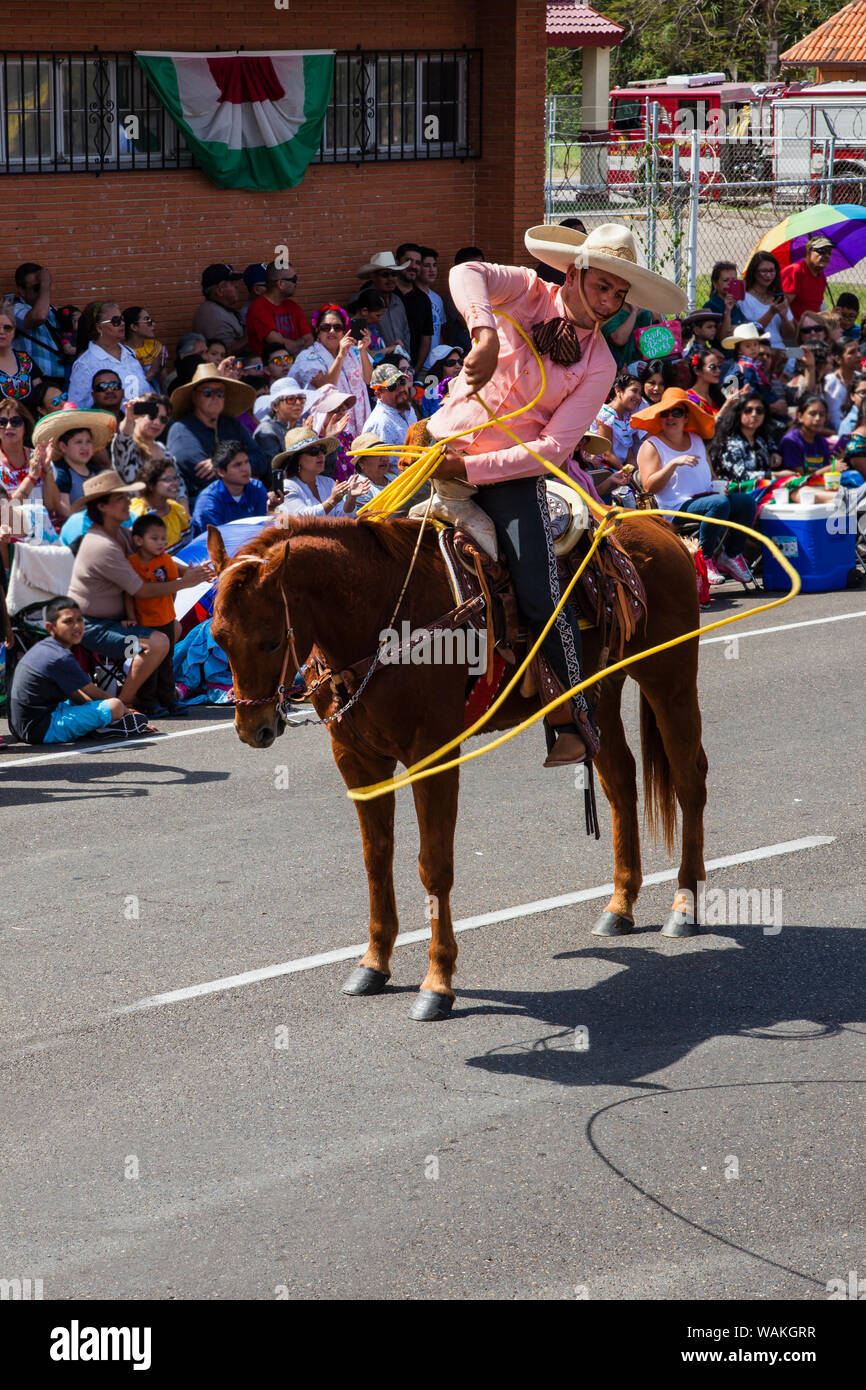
point(666, 1002)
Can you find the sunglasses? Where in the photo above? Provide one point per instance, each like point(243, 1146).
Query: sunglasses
point(253, 367)
point(676, 412)
point(713, 367)
point(106, 386)
point(7, 328)
point(55, 402)
point(280, 360)
point(315, 450)
point(754, 410)
point(213, 391)
point(331, 328)
point(115, 320)
point(14, 422)
point(812, 328)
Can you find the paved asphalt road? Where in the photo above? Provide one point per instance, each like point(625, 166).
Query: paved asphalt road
point(708, 1143)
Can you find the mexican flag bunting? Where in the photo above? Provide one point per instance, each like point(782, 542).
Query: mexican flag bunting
point(252, 120)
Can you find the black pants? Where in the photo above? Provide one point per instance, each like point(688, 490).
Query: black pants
point(518, 510)
point(159, 688)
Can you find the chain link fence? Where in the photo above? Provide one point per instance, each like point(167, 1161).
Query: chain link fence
point(695, 198)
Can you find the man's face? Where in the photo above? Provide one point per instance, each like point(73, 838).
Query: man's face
point(30, 288)
point(604, 293)
point(107, 391)
point(705, 330)
point(412, 261)
point(429, 271)
point(208, 401)
point(766, 357)
point(818, 258)
point(385, 281)
point(287, 281)
point(397, 395)
point(68, 627)
point(237, 474)
point(225, 293)
point(847, 318)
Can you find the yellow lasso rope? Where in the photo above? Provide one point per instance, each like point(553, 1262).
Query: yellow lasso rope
point(421, 470)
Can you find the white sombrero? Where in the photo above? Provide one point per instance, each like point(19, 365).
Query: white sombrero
point(608, 247)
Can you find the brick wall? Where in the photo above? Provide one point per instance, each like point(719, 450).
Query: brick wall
point(144, 237)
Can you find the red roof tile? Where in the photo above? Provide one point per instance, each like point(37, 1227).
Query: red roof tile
point(840, 39)
point(575, 25)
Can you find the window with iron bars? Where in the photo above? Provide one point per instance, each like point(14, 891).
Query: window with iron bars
point(88, 112)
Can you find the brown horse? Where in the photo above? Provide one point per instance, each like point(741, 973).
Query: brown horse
point(335, 583)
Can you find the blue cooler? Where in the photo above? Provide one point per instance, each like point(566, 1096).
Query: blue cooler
point(820, 542)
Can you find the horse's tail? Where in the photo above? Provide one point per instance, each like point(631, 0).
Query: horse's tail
point(660, 798)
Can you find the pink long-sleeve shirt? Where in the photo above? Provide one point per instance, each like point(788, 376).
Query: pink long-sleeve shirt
point(572, 396)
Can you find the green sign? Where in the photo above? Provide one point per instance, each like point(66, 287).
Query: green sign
point(656, 341)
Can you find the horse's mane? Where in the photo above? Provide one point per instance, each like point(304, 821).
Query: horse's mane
point(368, 541)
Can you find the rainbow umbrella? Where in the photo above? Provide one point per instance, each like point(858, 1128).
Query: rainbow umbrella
point(844, 224)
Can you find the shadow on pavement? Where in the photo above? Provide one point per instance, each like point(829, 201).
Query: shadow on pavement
point(50, 784)
point(662, 1004)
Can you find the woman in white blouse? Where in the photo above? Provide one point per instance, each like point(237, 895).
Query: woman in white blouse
point(306, 490)
point(101, 347)
point(337, 359)
point(764, 303)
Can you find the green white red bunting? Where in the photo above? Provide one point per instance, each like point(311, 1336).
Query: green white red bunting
point(252, 120)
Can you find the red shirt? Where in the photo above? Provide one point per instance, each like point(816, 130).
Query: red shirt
point(263, 318)
point(807, 289)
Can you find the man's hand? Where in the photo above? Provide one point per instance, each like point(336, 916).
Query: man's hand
point(480, 363)
point(204, 469)
point(451, 465)
point(230, 367)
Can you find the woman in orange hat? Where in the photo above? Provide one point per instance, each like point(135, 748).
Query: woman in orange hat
point(674, 467)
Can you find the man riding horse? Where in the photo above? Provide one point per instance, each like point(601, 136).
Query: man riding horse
point(601, 274)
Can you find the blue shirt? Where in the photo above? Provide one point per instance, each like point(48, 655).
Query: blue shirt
point(44, 677)
point(39, 342)
point(190, 441)
point(215, 505)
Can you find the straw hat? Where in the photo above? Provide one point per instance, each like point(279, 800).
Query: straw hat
point(100, 424)
point(102, 485)
point(299, 439)
point(745, 333)
point(608, 247)
point(239, 397)
point(382, 260)
point(697, 422)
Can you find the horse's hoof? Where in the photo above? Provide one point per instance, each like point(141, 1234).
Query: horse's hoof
point(680, 924)
point(613, 924)
point(430, 1007)
point(363, 980)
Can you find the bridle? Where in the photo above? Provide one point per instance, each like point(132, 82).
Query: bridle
point(280, 696)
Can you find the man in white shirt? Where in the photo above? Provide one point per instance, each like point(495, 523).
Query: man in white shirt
point(425, 281)
point(392, 414)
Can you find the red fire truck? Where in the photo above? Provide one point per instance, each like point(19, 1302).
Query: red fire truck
point(810, 141)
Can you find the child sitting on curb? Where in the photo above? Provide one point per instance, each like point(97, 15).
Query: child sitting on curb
point(52, 701)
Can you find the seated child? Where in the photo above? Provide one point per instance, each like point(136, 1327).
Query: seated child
point(152, 564)
point(52, 700)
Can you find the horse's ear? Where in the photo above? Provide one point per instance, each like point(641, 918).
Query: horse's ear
point(276, 559)
point(216, 549)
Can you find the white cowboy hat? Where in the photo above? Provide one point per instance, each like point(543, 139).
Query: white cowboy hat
point(609, 247)
point(745, 333)
point(382, 260)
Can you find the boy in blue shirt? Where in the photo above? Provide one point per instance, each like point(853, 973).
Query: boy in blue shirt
point(51, 700)
point(235, 494)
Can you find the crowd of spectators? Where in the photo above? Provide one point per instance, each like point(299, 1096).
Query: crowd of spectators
point(124, 446)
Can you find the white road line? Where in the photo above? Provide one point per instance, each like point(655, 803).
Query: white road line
point(783, 627)
point(83, 752)
point(293, 967)
point(126, 745)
